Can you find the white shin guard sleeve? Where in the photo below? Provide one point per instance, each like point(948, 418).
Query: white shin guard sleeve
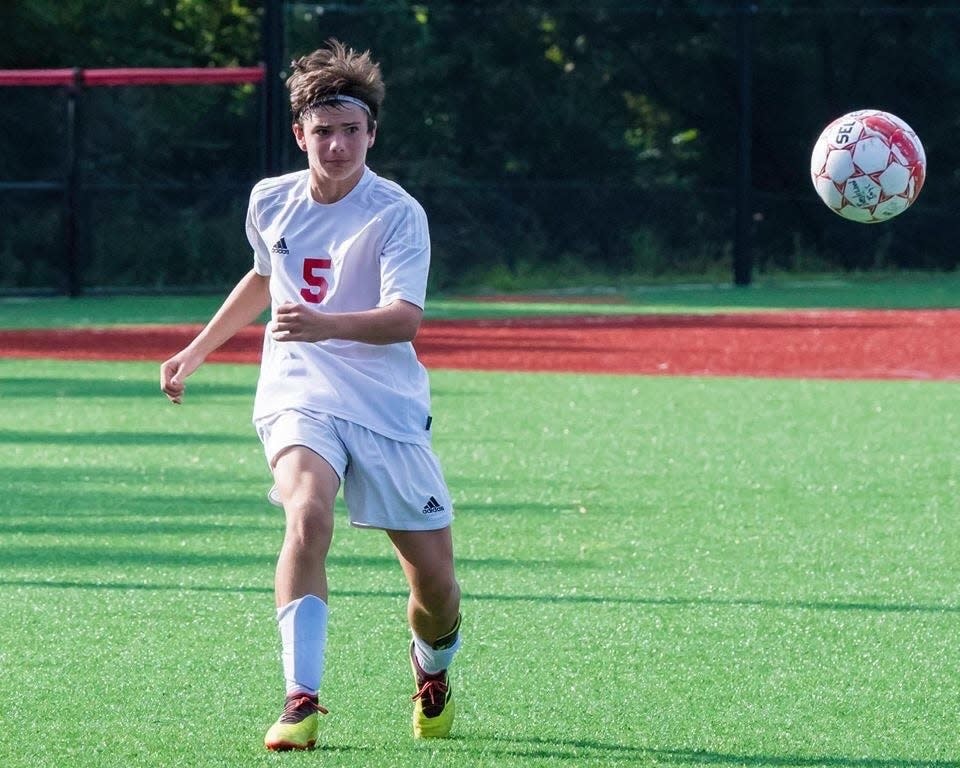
point(303, 638)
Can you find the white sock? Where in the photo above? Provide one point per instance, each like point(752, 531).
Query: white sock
point(303, 638)
point(433, 660)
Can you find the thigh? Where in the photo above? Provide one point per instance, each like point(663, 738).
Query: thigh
point(306, 481)
point(287, 429)
point(307, 458)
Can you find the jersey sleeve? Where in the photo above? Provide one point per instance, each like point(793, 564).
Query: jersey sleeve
point(405, 259)
point(261, 253)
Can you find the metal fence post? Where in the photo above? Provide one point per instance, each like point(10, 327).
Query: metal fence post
point(273, 106)
point(742, 257)
point(72, 224)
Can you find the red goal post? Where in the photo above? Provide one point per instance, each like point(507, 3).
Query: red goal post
point(132, 76)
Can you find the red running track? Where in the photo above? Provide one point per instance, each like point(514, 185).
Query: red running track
point(874, 344)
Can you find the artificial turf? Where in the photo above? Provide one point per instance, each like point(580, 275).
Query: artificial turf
point(656, 571)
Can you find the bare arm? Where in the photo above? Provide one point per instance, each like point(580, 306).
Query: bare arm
point(391, 324)
point(246, 302)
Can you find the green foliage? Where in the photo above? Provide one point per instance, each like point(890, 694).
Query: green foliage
point(164, 171)
point(152, 33)
point(30, 250)
point(594, 128)
point(567, 140)
point(196, 242)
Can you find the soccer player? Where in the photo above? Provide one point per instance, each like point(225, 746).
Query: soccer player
point(341, 255)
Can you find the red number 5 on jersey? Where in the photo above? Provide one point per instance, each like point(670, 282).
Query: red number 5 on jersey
point(318, 284)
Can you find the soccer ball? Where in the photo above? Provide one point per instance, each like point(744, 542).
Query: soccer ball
point(868, 166)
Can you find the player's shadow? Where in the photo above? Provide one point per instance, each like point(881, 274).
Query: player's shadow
point(573, 750)
point(733, 602)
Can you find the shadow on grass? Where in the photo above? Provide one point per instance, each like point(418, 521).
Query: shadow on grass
point(573, 750)
point(109, 487)
point(387, 563)
point(105, 556)
point(699, 602)
point(93, 388)
point(76, 439)
point(63, 555)
point(125, 527)
point(130, 586)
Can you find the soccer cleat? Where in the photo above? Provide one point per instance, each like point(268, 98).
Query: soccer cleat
point(433, 702)
point(298, 726)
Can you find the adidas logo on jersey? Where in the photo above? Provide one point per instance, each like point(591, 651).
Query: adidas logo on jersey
point(432, 506)
point(280, 247)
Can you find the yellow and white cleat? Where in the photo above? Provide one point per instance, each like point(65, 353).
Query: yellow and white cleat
point(298, 726)
point(433, 707)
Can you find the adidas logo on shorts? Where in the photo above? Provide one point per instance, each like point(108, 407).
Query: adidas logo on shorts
point(432, 506)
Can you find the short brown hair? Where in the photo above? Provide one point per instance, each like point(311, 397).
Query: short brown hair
point(331, 71)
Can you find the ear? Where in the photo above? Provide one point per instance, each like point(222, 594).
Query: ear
point(298, 133)
point(372, 138)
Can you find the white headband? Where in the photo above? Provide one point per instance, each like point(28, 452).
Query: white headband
point(337, 99)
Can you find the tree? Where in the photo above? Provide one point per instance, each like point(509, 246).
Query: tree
point(152, 33)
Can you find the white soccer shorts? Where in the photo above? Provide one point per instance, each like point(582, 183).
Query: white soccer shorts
point(387, 484)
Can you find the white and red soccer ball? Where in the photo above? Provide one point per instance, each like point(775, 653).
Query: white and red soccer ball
point(868, 166)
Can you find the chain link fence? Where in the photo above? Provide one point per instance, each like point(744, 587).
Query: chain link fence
point(548, 142)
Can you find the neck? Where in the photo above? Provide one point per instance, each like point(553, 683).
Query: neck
point(328, 191)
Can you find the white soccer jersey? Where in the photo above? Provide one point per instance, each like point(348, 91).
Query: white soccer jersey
point(361, 252)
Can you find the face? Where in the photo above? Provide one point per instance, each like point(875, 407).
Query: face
point(336, 140)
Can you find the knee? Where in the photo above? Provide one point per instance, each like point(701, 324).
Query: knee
point(309, 526)
point(453, 593)
point(440, 596)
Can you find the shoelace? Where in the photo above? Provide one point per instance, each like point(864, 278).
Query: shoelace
point(299, 708)
point(433, 694)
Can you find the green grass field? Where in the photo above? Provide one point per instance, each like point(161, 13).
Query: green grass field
point(715, 572)
point(890, 291)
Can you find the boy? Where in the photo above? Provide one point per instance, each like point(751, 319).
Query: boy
point(341, 257)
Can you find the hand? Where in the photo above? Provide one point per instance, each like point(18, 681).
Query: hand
point(295, 322)
point(173, 374)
